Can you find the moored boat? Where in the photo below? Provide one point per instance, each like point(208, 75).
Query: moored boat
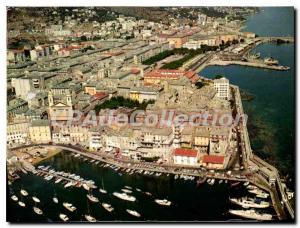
point(92, 198)
point(63, 217)
point(55, 200)
point(102, 191)
point(124, 196)
point(21, 204)
point(35, 199)
point(134, 213)
point(23, 192)
point(251, 214)
point(37, 210)
point(163, 202)
point(69, 206)
point(90, 218)
point(107, 207)
point(126, 190)
point(248, 202)
point(14, 198)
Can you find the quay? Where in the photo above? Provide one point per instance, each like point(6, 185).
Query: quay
point(257, 64)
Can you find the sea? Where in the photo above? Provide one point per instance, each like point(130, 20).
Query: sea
point(271, 125)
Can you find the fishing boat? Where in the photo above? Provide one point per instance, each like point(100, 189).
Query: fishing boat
point(90, 218)
point(139, 190)
point(176, 176)
point(37, 210)
point(220, 181)
point(248, 202)
point(63, 217)
point(126, 190)
point(21, 204)
point(251, 214)
point(55, 200)
point(124, 196)
point(163, 202)
point(14, 198)
point(69, 206)
point(92, 198)
point(23, 192)
point(128, 187)
point(107, 207)
point(134, 213)
point(35, 199)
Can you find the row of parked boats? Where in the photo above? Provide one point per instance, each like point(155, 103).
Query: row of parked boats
point(68, 179)
point(252, 205)
point(131, 171)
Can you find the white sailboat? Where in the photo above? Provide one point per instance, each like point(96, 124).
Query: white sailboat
point(163, 202)
point(21, 204)
point(134, 213)
point(35, 199)
point(23, 192)
point(55, 200)
point(37, 210)
point(14, 198)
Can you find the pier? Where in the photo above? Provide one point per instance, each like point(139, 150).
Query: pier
point(257, 64)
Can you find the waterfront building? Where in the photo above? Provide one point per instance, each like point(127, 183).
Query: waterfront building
point(17, 134)
point(222, 87)
point(213, 161)
point(157, 137)
point(40, 131)
point(185, 157)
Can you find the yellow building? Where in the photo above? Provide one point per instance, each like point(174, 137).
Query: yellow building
point(40, 131)
point(134, 95)
point(90, 89)
point(177, 41)
point(228, 37)
point(201, 137)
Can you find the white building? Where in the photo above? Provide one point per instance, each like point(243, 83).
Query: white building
point(22, 87)
point(222, 87)
point(17, 133)
point(185, 157)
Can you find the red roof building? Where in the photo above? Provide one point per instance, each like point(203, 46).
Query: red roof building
point(100, 95)
point(214, 159)
point(185, 152)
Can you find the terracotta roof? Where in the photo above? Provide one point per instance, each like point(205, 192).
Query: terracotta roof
point(100, 95)
point(213, 159)
point(164, 74)
point(185, 152)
